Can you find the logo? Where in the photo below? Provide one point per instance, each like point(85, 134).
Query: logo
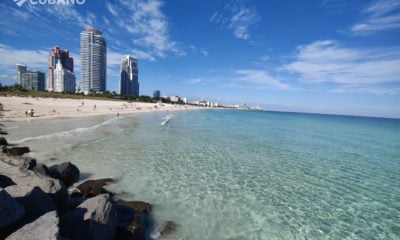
point(19, 2)
point(49, 2)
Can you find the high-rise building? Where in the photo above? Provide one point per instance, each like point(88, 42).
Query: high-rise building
point(64, 79)
point(56, 54)
point(156, 94)
point(129, 84)
point(21, 68)
point(30, 80)
point(93, 61)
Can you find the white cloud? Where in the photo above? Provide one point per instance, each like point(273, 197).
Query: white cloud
point(148, 25)
point(377, 90)
point(258, 78)
point(381, 15)
point(327, 61)
point(239, 19)
point(9, 57)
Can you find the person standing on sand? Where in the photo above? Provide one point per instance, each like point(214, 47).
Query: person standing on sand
point(83, 103)
point(94, 107)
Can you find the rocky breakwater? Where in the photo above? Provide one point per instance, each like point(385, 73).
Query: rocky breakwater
point(41, 202)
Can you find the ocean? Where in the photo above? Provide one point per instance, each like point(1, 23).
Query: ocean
point(225, 174)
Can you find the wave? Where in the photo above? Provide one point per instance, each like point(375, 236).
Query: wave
point(68, 133)
point(166, 119)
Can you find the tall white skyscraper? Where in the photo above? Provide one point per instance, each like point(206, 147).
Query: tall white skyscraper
point(93, 61)
point(64, 79)
point(129, 83)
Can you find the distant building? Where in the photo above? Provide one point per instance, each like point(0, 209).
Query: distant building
point(93, 61)
point(64, 79)
point(129, 83)
point(56, 54)
point(156, 94)
point(30, 80)
point(21, 68)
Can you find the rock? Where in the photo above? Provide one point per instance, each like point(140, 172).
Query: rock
point(93, 219)
point(3, 141)
point(26, 180)
point(167, 227)
point(91, 188)
point(17, 151)
point(36, 202)
point(3, 133)
point(67, 172)
point(6, 181)
point(45, 227)
point(137, 206)
point(41, 169)
point(10, 210)
point(28, 164)
point(133, 222)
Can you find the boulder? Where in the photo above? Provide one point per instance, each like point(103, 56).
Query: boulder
point(3, 141)
point(134, 222)
point(10, 210)
point(66, 172)
point(36, 202)
point(91, 188)
point(17, 151)
point(26, 181)
point(45, 227)
point(137, 206)
point(6, 181)
point(167, 227)
point(3, 132)
point(41, 169)
point(95, 218)
point(28, 164)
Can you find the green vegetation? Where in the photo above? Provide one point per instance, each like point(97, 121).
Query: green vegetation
point(18, 90)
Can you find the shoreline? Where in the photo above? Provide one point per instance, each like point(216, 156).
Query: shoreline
point(15, 108)
point(58, 201)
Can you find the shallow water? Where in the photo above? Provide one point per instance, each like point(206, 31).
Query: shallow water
point(238, 174)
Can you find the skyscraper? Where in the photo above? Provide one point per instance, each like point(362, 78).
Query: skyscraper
point(64, 79)
point(93, 61)
point(21, 68)
point(56, 54)
point(30, 80)
point(157, 94)
point(129, 84)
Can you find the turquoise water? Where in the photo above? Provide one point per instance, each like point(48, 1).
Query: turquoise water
point(239, 174)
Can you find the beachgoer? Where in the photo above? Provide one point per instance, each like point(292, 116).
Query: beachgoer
point(94, 107)
point(83, 103)
point(1, 107)
point(117, 114)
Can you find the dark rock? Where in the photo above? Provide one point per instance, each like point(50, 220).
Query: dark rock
point(93, 219)
point(10, 210)
point(91, 188)
point(137, 206)
point(72, 203)
point(167, 227)
point(4, 149)
point(41, 169)
point(67, 172)
point(36, 203)
point(17, 151)
point(3, 141)
point(3, 133)
point(6, 181)
point(45, 227)
point(28, 164)
point(133, 222)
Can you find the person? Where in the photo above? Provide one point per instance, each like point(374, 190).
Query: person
point(83, 103)
point(1, 107)
point(94, 107)
point(117, 114)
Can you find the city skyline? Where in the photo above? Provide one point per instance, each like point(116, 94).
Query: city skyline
point(328, 56)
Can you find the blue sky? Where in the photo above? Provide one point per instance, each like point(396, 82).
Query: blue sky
point(326, 56)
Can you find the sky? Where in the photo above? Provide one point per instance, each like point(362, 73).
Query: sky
point(326, 56)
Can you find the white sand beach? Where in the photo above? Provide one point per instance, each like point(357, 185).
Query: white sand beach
point(15, 107)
